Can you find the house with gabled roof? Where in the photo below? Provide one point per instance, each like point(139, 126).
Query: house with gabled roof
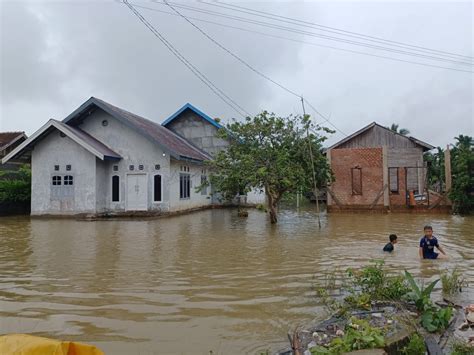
point(376, 168)
point(104, 159)
point(196, 127)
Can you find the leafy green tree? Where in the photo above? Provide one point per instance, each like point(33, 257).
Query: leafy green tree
point(15, 186)
point(462, 169)
point(436, 172)
point(273, 154)
point(402, 131)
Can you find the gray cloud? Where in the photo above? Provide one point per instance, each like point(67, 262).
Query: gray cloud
point(55, 55)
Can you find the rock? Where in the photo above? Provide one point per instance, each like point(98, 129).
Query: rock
point(307, 352)
point(377, 315)
point(312, 344)
point(339, 332)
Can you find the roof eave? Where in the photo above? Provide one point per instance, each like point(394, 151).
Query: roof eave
point(195, 110)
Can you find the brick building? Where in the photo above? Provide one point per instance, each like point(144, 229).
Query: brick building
point(378, 169)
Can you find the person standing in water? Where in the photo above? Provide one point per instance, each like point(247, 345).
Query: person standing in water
point(428, 243)
point(390, 246)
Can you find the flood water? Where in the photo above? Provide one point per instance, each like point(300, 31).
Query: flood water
point(198, 282)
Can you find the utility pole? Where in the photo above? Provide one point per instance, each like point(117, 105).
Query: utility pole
point(315, 190)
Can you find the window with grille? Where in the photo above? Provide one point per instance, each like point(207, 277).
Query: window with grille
point(184, 186)
point(356, 175)
point(68, 180)
point(56, 180)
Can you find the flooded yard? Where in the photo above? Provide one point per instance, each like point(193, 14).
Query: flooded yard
point(198, 282)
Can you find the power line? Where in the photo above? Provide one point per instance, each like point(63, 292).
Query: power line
point(328, 28)
point(250, 66)
point(308, 43)
point(224, 97)
point(232, 53)
point(312, 34)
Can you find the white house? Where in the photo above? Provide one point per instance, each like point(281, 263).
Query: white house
point(103, 159)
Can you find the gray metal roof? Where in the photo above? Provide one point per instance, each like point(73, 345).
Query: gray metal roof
point(85, 140)
point(170, 142)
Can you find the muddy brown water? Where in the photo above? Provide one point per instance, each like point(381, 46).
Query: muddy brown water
point(198, 282)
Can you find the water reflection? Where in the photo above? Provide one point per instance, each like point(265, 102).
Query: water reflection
point(198, 282)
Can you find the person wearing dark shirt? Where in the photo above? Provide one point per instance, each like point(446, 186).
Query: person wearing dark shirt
point(428, 243)
point(389, 246)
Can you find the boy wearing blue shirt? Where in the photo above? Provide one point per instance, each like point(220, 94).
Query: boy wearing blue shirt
point(428, 243)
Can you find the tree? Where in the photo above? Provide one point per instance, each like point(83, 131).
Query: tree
point(15, 186)
point(402, 131)
point(462, 167)
point(270, 153)
point(436, 173)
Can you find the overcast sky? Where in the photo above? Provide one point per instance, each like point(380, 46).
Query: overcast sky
point(56, 54)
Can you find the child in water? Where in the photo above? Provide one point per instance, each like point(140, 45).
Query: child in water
point(390, 246)
point(428, 243)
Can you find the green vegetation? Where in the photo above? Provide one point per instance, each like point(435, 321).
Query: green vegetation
point(402, 131)
point(436, 174)
point(376, 283)
point(432, 318)
point(452, 282)
point(373, 283)
point(416, 346)
point(358, 334)
point(15, 186)
point(271, 153)
point(462, 171)
point(462, 168)
point(462, 348)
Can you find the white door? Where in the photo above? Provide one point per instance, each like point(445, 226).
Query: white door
point(137, 194)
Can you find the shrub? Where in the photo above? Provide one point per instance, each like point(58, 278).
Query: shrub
point(452, 282)
point(416, 346)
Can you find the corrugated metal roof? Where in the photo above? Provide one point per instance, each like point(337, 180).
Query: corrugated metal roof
point(85, 140)
point(178, 147)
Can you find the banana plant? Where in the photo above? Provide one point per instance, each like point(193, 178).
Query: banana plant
point(421, 296)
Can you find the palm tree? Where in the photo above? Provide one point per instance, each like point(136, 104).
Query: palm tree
point(402, 131)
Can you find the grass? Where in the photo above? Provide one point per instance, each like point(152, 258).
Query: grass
point(452, 282)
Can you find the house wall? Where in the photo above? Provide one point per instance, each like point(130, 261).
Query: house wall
point(56, 150)
point(198, 131)
point(197, 199)
point(370, 160)
point(135, 150)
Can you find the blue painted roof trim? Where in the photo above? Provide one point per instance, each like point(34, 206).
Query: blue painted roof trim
point(197, 111)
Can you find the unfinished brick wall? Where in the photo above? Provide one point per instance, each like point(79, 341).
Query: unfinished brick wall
point(370, 160)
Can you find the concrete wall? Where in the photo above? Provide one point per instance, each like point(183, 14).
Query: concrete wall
point(370, 160)
point(256, 197)
point(198, 131)
point(135, 150)
point(197, 199)
point(78, 198)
